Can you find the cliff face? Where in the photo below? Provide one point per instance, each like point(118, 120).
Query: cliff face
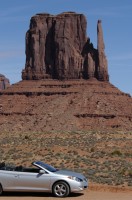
point(57, 47)
point(4, 82)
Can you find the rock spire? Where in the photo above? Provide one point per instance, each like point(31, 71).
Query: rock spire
point(102, 65)
point(4, 82)
point(57, 47)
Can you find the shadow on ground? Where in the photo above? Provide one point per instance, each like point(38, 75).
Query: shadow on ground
point(29, 194)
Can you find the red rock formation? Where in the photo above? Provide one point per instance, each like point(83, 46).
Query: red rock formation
point(102, 70)
point(47, 105)
point(4, 82)
point(57, 47)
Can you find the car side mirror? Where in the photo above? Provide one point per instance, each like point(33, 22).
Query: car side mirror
point(41, 171)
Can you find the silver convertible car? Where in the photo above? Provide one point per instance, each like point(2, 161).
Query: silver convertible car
point(41, 178)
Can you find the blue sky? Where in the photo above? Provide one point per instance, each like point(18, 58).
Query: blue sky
point(116, 16)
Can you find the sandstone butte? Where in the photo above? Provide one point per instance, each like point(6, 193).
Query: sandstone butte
point(4, 82)
point(57, 47)
point(65, 82)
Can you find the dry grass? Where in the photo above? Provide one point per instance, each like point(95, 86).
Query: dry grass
point(104, 157)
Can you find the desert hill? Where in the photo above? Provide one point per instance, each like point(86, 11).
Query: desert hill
point(64, 105)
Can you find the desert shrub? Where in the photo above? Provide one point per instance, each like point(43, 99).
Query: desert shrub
point(116, 153)
point(130, 173)
point(92, 149)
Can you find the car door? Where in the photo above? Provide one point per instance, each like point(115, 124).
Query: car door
point(28, 181)
point(9, 180)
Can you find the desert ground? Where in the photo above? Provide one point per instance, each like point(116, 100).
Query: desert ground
point(87, 195)
point(104, 158)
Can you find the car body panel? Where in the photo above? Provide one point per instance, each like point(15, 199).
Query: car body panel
point(8, 179)
point(69, 173)
point(33, 181)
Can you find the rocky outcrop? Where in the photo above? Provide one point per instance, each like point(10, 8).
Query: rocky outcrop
point(102, 65)
point(4, 82)
point(57, 47)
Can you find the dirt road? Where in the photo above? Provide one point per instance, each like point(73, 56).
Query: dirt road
point(87, 195)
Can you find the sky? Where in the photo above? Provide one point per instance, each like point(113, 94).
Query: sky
point(116, 16)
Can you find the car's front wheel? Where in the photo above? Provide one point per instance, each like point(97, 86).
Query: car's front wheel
point(1, 189)
point(61, 189)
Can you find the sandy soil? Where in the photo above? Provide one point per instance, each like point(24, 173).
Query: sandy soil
point(86, 195)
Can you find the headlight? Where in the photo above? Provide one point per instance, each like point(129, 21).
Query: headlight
point(75, 178)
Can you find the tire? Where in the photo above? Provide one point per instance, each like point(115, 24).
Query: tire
point(1, 190)
point(61, 189)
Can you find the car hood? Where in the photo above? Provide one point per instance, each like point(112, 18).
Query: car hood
point(70, 173)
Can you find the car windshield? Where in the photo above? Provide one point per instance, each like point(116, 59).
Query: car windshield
point(46, 166)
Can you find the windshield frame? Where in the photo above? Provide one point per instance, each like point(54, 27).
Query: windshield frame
point(45, 166)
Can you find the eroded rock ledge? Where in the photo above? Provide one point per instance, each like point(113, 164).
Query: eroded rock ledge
point(57, 47)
